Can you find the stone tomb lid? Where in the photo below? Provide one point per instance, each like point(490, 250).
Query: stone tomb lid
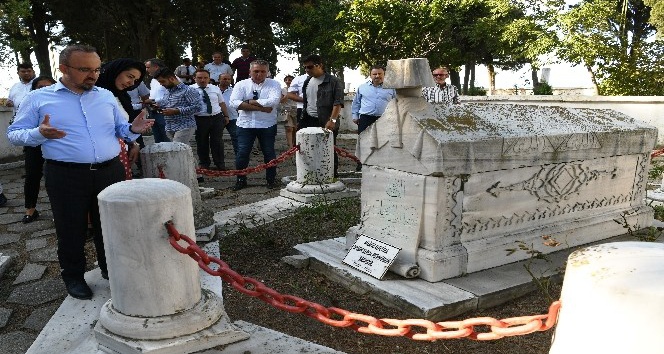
point(475, 137)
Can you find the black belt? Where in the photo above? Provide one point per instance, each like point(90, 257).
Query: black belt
point(369, 115)
point(87, 166)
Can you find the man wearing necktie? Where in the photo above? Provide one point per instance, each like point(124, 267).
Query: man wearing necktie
point(210, 122)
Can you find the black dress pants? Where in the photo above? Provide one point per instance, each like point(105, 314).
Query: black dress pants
point(209, 132)
point(34, 167)
point(73, 190)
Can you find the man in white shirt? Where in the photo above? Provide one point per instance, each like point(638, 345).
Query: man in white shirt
point(21, 88)
point(210, 122)
point(185, 72)
point(295, 93)
point(442, 92)
point(157, 93)
point(257, 100)
point(217, 67)
point(225, 81)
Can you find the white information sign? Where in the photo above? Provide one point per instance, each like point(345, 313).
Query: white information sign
point(371, 256)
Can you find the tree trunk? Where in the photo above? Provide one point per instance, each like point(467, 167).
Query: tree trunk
point(472, 76)
point(38, 32)
point(594, 80)
point(492, 78)
point(533, 75)
point(466, 75)
point(455, 78)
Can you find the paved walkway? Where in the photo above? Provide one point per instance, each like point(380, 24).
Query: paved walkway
point(31, 289)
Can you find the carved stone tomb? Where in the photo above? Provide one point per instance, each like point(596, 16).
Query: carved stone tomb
point(457, 187)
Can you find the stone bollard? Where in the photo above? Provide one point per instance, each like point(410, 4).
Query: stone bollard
point(315, 169)
point(175, 161)
point(612, 300)
point(157, 304)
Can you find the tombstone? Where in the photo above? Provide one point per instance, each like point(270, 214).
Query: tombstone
point(157, 304)
point(175, 161)
point(613, 283)
point(315, 169)
point(456, 186)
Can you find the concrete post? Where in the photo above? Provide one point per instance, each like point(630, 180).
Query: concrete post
point(315, 168)
point(612, 300)
point(156, 298)
point(175, 161)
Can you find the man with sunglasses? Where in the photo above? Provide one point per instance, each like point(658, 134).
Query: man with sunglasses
point(442, 92)
point(77, 125)
point(257, 100)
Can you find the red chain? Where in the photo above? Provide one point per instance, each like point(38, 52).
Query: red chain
point(656, 153)
point(345, 153)
point(273, 163)
point(342, 318)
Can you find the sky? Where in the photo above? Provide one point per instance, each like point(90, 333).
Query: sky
point(561, 75)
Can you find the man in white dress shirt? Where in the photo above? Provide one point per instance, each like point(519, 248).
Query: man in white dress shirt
point(157, 92)
point(257, 100)
point(210, 122)
point(21, 88)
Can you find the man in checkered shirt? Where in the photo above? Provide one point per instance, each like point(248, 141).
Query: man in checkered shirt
point(442, 92)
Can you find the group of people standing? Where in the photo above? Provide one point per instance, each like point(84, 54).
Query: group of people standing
point(75, 129)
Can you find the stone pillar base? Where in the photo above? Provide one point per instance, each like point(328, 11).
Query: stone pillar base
point(309, 193)
point(218, 333)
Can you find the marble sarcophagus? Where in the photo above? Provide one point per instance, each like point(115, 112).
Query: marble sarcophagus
point(457, 187)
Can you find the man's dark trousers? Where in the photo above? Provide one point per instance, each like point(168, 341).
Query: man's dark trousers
point(365, 121)
point(73, 192)
point(209, 132)
point(245, 142)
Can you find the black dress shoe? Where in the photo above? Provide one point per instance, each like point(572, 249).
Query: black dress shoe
point(273, 185)
point(239, 185)
point(30, 218)
point(78, 289)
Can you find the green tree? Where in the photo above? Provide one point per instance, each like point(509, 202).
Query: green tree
point(611, 39)
point(453, 33)
point(656, 14)
point(314, 29)
point(27, 27)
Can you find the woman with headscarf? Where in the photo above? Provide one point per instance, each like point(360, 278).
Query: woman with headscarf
point(120, 76)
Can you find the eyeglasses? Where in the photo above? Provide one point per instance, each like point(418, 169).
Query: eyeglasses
point(255, 95)
point(309, 67)
point(440, 74)
point(85, 70)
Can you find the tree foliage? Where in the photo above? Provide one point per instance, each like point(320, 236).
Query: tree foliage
point(27, 27)
point(656, 14)
point(611, 39)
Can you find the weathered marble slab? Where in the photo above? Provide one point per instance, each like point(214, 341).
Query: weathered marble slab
point(457, 186)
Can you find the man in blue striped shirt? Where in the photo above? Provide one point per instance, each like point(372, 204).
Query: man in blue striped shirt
point(178, 106)
point(371, 100)
point(77, 125)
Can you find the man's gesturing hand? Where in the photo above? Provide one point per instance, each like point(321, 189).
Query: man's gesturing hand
point(48, 131)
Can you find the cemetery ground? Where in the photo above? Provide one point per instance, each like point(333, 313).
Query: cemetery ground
point(26, 304)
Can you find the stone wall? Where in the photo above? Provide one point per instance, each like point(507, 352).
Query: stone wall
point(7, 150)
